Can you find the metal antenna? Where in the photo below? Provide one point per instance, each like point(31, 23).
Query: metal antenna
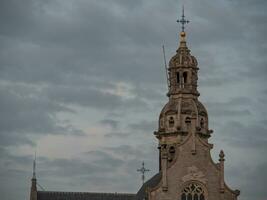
point(183, 21)
point(34, 166)
point(143, 170)
point(165, 64)
point(34, 171)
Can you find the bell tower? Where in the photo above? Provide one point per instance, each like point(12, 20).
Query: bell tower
point(184, 114)
point(186, 169)
point(183, 71)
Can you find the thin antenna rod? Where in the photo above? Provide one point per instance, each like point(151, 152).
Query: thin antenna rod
point(34, 166)
point(165, 64)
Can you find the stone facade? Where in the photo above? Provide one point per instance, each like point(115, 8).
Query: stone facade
point(187, 170)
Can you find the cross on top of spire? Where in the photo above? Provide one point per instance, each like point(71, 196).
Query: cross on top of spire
point(183, 21)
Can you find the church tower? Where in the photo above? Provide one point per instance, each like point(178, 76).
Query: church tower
point(187, 171)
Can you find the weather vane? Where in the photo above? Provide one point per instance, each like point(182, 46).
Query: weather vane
point(143, 170)
point(183, 21)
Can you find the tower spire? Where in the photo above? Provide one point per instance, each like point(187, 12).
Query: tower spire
point(33, 194)
point(183, 21)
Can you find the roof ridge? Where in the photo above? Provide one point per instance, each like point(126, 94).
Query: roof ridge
point(102, 193)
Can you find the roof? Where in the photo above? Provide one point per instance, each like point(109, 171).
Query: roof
point(151, 183)
point(49, 195)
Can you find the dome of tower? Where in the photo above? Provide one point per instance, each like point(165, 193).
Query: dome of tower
point(186, 106)
point(183, 59)
point(177, 114)
point(183, 56)
point(201, 109)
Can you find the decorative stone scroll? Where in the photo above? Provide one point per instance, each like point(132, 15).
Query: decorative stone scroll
point(194, 174)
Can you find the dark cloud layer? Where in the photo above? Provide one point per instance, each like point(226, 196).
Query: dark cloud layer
point(74, 58)
point(25, 113)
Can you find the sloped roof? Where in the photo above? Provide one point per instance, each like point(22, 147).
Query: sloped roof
point(49, 195)
point(153, 182)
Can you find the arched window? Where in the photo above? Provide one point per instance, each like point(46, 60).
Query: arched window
point(172, 150)
point(193, 191)
point(172, 153)
point(178, 78)
point(187, 120)
point(171, 122)
point(185, 77)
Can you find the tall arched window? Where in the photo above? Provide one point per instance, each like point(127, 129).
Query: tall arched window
point(193, 191)
point(178, 78)
point(202, 123)
point(185, 77)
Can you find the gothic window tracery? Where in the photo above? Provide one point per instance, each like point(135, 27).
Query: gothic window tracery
point(193, 191)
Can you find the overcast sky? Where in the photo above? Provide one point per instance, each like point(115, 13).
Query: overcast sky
point(82, 82)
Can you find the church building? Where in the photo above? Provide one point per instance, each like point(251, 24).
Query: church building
point(186, 169)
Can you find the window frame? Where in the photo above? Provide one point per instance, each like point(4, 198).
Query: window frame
point(184, 196)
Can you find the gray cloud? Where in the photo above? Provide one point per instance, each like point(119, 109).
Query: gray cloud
point(110, 122)
point(101, 166)
point(117, 134)
point(144, 126)
point(26, 113)
point(252, 135)
point(61, 58)
point(14, 169)
point(235, 107)
point(248, 178)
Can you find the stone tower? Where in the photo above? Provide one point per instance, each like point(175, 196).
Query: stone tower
point(187, 171)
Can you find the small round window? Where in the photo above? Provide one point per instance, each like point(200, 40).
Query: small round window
point(193, 191)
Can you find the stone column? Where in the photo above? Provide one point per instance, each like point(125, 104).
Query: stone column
point(192, 131)
point(164, 161)
point(159, 148)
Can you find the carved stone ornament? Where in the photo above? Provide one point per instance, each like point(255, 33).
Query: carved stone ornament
point(194, 174)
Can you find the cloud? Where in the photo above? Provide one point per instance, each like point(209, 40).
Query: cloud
point(14, 169)
point(110, 122)
point(251, 135)
point(101, 167)
point(235, 107)
point(66, 66)
point(117, 134)
point(144, 126)
point(26, 112)
point(247, 178)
